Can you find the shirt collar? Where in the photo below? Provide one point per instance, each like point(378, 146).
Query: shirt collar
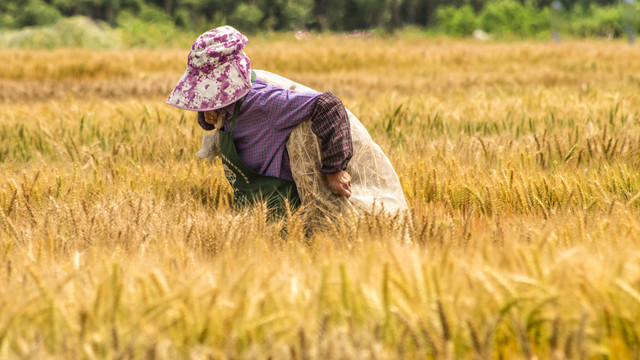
point(227, 111)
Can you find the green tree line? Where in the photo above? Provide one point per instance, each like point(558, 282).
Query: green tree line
point(457, 17)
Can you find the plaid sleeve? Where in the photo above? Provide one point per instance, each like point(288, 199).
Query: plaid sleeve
point(330, 122)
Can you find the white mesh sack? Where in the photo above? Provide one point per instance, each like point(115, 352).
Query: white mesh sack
point(374, 183)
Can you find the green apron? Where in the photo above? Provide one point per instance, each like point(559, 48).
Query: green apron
point(250, 186)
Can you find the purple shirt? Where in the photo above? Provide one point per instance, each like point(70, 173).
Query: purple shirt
point(265, 119)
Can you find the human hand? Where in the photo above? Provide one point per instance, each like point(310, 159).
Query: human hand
point(211, 117)
point(340, 183)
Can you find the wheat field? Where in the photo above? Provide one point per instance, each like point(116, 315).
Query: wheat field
point(520, 163)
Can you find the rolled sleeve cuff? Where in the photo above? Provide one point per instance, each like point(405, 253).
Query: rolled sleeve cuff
point(330, 122)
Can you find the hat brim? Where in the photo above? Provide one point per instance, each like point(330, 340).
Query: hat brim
point(210, 90)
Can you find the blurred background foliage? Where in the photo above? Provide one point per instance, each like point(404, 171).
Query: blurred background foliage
point(115, 23)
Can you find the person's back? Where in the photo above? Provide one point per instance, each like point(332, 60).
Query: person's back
point(265, 119)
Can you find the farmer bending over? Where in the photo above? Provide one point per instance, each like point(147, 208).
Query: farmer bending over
point(257, 119)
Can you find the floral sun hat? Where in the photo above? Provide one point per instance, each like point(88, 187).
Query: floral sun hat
point(218, 72)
